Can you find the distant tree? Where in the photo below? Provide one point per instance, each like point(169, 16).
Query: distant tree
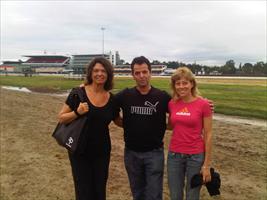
point(207, 69)
point(265, 68)
point(197, 68)
point(247, 68)
point(156, 62)
point(172, 64)
point(240, 66)
point(229, 67)
point(121, 62)
point(258, 68)
point(239, 70)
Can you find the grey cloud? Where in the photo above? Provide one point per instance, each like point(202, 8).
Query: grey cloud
point(196, 30)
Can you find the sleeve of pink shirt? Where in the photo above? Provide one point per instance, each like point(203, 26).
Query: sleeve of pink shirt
point(206, 109)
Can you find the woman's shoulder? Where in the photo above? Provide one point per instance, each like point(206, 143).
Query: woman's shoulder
point(75, 90)
point(203, 104)
point(78, 93)
point(174, 101)
point(201, 100)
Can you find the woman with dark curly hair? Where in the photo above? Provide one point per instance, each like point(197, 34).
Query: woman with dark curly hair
point(90, 162)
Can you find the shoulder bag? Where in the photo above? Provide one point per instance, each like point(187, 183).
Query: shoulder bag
point(67, 135)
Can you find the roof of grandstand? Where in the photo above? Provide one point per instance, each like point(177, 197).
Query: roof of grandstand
point(46, 59)
point(91, 55)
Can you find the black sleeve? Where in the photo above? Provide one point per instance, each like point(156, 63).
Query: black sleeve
point(168, 96)
point(119, 97)
point(116, 106)
point(73, 100)
point(167, 99)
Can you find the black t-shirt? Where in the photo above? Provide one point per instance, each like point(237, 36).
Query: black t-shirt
point(144, 118)
point(95, 139)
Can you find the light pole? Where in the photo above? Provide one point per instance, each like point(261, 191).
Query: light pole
point(103, 45)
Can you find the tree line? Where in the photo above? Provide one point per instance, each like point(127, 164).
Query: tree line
point(229, 68)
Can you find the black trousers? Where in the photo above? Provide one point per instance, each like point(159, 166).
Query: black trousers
point(90, 174)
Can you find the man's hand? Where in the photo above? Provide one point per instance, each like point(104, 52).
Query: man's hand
point(211, 105)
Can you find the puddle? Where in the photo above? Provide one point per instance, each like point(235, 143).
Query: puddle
point(239, 120)
point(20, 89)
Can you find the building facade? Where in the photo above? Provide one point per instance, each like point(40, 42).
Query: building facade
point(79, 61)
point(125, 70)
point(47, 63)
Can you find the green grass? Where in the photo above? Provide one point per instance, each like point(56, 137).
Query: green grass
point(240, 100)
point(247, 101)
point(39, 82)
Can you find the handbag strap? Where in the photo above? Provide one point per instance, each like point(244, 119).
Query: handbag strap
point(81, 94)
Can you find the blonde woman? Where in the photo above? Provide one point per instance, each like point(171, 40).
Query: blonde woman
point(190, 147)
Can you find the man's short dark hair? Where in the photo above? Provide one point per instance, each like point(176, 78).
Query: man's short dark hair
point(140, 60)
point(108, 67)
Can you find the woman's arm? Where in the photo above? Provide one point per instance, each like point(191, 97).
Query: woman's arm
point(208, 143)
point(66, 115)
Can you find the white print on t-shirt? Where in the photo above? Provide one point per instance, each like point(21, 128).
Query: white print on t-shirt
point(183, 112)
point(148, 110)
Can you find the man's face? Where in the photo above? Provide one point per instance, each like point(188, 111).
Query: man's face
point(141, 75)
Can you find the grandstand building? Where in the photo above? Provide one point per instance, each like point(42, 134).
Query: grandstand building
point(126, 69)
point(11, 66)
point(79, 62)
point(47, 63)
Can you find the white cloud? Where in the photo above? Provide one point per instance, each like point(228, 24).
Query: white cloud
point(202, 31)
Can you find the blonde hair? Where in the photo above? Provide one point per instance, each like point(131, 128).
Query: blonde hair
point(184, 72)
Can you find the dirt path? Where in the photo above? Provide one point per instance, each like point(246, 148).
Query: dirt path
point(34, 167)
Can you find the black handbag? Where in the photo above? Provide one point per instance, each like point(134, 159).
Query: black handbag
point(67, 135)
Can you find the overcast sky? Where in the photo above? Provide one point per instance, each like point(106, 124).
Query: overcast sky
point(204, 32)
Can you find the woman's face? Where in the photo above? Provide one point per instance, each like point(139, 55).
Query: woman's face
point(183, 87)
point(99, 74)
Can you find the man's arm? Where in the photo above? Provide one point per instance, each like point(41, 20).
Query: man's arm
point(211, 104)
point(169, 126)
point(118, 121)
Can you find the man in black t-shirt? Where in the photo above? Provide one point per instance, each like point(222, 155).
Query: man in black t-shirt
point(144, 111)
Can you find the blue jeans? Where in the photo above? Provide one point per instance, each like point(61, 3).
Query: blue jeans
point(145, 173)
point(180, 166)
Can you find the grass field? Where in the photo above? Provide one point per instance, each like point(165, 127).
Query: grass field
point(242, 97)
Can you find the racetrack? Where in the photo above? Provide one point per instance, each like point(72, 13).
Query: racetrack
point(34, 167)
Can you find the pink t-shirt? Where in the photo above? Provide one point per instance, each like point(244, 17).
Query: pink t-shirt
point(187, 123)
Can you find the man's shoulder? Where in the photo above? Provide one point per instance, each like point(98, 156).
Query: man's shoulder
point(124, 92)
point(161, 92)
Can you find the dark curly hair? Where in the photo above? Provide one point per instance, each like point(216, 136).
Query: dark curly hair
point(108, 67)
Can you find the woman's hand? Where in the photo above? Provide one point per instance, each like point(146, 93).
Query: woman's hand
point(83, 108)
point(205, 171)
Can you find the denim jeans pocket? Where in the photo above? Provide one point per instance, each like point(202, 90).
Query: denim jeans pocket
point(198, 157)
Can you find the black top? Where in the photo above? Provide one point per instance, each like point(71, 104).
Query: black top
point(144, 118)
point(95, 137)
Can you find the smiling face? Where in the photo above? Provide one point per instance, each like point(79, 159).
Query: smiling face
point(99, 74)
point(141, 75)
point(183, 83)
point(183, 87)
